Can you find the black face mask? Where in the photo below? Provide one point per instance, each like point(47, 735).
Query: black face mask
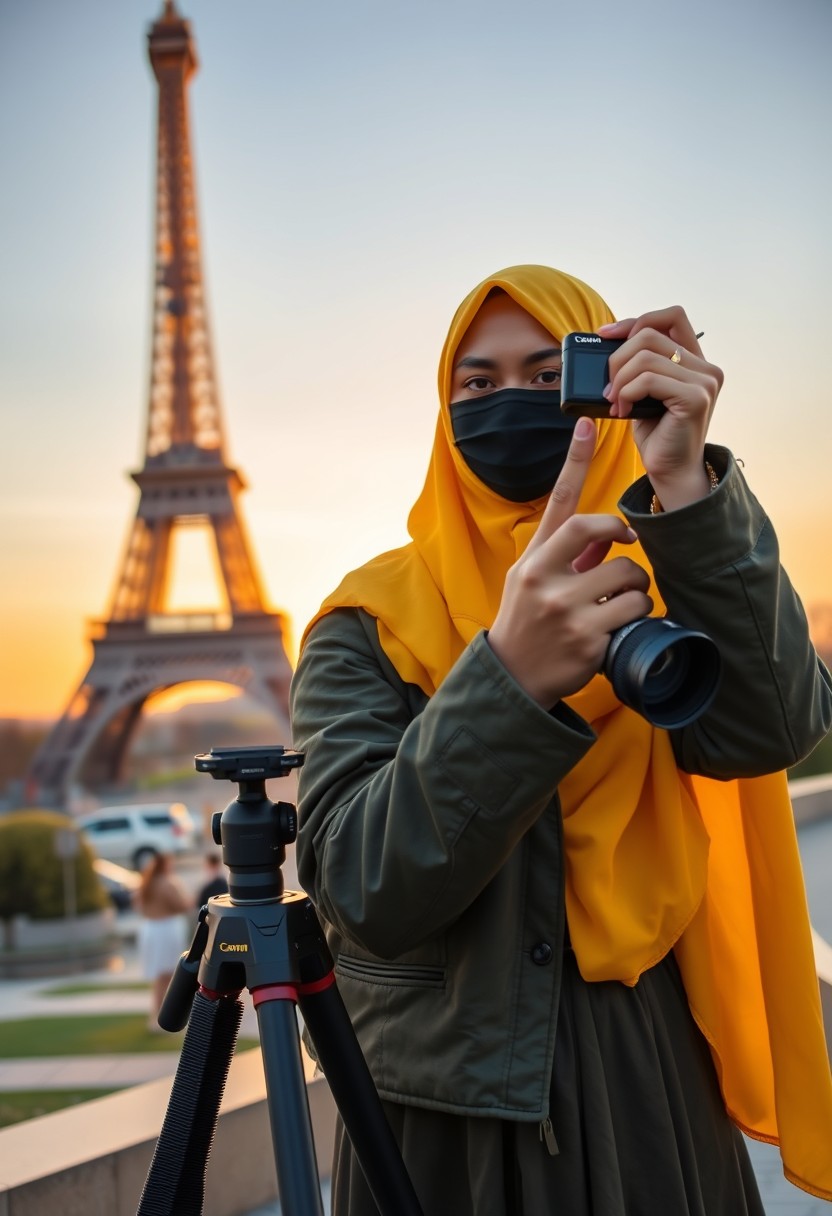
point(515, 440)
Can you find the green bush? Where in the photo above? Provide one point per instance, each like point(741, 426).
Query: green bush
point(32, 874)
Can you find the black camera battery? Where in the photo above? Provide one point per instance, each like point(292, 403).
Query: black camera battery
point(585, 373)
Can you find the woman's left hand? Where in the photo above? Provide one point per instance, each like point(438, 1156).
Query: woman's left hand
point(671, 446)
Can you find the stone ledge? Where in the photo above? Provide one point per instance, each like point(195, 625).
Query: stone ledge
point(93, 1160)
point(59, 946)
point(811, 798)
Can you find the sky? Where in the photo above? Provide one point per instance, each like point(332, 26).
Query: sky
point(359, 168)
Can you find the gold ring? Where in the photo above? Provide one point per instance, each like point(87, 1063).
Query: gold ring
point(676, 357)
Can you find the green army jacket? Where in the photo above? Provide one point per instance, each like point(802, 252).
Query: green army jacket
point(430, 830)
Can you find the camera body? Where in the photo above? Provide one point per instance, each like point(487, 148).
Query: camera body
point(585, 373)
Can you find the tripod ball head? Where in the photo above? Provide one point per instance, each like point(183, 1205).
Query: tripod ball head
point(248, 764)
point(252, 830)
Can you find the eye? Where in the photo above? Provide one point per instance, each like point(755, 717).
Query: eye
point(549, 375)
point(479, 384)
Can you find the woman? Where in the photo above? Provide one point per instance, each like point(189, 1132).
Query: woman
point(574, 947)
point(162, 901)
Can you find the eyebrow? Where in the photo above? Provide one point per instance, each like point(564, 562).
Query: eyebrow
point(489, 365)
point(549, 352)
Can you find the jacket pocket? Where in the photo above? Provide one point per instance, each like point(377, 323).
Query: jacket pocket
point(397, 974)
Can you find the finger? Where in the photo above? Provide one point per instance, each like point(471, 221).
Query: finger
point(596, 551)
point(652, 357)
point(688, 397)
point(670, 321)
point(651, 344)
point(613, 579)
point(617, 330)
point(622, 609)
point(650, 353)
point(673, 322)
point(566, 492)
point(592, 556)
point(637, 358)
point(577, 533)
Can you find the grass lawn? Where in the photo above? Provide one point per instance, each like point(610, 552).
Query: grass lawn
point(90, 1034)
point(82, 989)
point(19, 1106)
point(87, 1035)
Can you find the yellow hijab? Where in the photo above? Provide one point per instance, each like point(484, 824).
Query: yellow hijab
point(655, 859)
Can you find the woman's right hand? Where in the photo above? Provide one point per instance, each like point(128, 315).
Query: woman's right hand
point(561, 601)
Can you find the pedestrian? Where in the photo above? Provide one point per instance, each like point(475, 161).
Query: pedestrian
point(162, 901)
point(574, 946)
point(215, 882)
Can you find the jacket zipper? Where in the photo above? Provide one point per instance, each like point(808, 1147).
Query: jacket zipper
point(547, 1135)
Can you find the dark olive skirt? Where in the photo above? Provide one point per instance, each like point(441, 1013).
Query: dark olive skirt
point(636, 1111)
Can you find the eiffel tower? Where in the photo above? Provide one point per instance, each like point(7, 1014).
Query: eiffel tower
point(142, 648)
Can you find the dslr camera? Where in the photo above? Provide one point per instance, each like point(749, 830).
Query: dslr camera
point(585, 373)
point(667, 673)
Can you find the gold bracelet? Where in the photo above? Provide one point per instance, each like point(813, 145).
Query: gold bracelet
point(656, 507)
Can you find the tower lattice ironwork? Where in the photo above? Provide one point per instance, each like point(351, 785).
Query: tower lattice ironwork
point(141, 647)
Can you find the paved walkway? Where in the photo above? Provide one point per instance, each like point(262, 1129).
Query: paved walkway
point(86, 1072)
point(30, 999)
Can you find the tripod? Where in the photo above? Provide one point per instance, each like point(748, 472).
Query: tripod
point(268, 941)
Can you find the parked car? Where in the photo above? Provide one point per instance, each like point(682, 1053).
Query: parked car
point(119, 883)
point(134, 834)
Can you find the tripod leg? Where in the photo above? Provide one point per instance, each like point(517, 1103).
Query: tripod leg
point(291, 1123)
point(357, 1100)
point(175, 1185)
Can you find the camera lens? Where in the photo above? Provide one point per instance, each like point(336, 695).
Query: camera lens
point(665, 672)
